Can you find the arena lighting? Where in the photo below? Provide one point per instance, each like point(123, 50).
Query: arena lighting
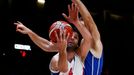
point(22, 47)
point(115, 16)
point(40, 4)
point(41, 1)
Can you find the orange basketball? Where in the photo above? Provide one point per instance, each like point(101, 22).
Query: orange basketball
point(56, 26)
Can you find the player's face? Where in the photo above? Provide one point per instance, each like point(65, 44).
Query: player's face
point(73, 41)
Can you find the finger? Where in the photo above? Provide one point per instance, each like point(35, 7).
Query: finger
point(73, 1)
point(19, 30)
point(64, 34)
point(69, 9)
point(15, 23)
point(19, 22)
point(72, 6)
point(61, 34)
point(57, 38)
point(75, 7)
point(17, 27)
point(68, 35)
point(64, 15)
point(77, 12)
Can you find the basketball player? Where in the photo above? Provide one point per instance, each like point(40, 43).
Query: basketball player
point(86, 59)
point(89, 54)
point(72, 59)
point(62, 63)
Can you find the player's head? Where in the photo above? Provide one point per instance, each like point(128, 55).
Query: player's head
point(74, 41)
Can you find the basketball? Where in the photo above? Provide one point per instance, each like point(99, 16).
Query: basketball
point(57, 26)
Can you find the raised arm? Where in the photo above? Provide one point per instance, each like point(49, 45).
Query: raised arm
point(74, 19)
point(96, 44)
point(86, 41)
point(87, 18)
point(44, 44)
point(59, 62)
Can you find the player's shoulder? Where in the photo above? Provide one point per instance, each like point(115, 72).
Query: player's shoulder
point(55, 57)
point(54, 63)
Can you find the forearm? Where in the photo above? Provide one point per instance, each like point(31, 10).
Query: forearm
point(39, 41)
point(83, 30)
point(88, 20)
point(62, 63)
point(84, 12)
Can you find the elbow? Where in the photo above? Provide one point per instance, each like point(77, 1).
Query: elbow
point(46, 49)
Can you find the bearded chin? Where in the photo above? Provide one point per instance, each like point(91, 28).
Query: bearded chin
point(71, 47)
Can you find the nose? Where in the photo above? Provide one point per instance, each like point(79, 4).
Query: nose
point(72, 38)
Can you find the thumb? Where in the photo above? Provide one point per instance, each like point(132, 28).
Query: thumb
point(18, 30)
point(64, 15)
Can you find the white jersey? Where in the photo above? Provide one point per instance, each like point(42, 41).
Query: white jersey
point(76, 66)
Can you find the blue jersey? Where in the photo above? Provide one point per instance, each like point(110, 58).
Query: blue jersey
point(93, 65)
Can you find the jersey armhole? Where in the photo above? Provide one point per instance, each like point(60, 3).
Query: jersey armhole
point(52, 70)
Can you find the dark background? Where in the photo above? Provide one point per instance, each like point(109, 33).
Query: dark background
point(114, 19)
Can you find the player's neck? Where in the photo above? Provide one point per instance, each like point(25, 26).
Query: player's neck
point(70, 55)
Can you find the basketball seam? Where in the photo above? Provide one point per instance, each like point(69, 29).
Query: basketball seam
point(55, 28)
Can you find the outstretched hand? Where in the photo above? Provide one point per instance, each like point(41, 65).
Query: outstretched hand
point(73, 14)
point(21, 28)
point(62, 38)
